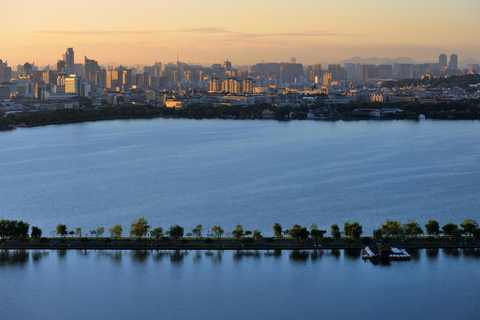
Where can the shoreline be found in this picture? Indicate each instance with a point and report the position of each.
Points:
(229, 248)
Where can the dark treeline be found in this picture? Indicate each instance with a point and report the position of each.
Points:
(467, 109)
(391, 229)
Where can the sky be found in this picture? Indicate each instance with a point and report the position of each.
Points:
(245, 32)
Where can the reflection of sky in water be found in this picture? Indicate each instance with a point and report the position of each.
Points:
(254, 173)
(230, 284)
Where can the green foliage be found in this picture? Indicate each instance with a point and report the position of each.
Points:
(197, 231)
(36, 232)
(468, 226)
(277, 230)
(208, 241)
(449, 228)
(13, 229)
(139, 228)
(377, 234)
(317, 234)
(392, 228)
(238, 232)
(217, 231)
(352, 230)
(157, 233)
(257, 235)
(71, 233)
(412, 228)
(100, 231)
(432, 228)
(116, 231)
(298, 232)
(62, 230)
(176, 232)
(78, 232)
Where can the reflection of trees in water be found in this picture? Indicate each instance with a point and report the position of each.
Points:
(432, 253)
(37, 255)
(159, 255)
(316, 254)
(454, 252)
(352, 254)
(114, 255)
(240, 254)
(62, 253)
(471, 252)
(197, 256)
(414, 253)
(335, 253)
(13, 257)
(140, 255)
(216, 256)
(299, 255)
(177, 256)
(275, 253)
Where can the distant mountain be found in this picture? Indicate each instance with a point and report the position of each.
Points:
(377, 61)
(464, 63)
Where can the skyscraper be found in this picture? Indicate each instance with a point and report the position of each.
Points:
(453, 62)
(70, 59)
(442, 60)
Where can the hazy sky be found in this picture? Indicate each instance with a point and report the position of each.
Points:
(245, 32)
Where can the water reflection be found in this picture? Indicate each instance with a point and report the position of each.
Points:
(454, 252)
(13, 257)
(37, 255)
(299, 255)
(432, 254)
(316, 255)
(140, 256)
(215, 256)
(414, 253)
(471, 252)
(335, 253)
(352, 254)
(275, 253)
(177, 256)
(240, 254)
(62, 253)
(159, 255)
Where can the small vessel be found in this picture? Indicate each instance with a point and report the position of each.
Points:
(385, 254)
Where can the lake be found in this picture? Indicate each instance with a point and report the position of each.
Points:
(227, 172)
(44, 284)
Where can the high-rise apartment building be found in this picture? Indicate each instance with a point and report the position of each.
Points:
(338, 72)
(453, 62)
(70, 59)
(442, 60)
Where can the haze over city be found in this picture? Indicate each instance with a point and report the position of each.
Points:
(140, 32)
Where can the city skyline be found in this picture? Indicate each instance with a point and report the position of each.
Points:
(138, 33)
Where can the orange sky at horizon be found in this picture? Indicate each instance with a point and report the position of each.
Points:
(145, 31)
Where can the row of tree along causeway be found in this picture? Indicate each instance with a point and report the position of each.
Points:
(467, 109)
(15, 234)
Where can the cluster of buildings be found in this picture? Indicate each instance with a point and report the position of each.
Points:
(71, 85)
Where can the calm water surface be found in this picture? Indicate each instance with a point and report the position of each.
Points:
(436, 284)
(255, 173)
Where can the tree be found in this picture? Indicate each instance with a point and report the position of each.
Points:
(335, 231)
(412, 228)
(432, 228)
(100, 231)
(78, 232)
(197, 231)
(93, 233)
(176, 232)
(248, 233)
(298, 232)
(257, 235)
(62, 230)
(377, 234)
(217, 231)
(116, 231)
(392, 228)
(157, 233)
(21, 230)
(139, 228)
(36, 232)
(71, 233)
(238, 232)
(449, 228)
(468, 226)
(317, 234)
(277, 230)
(352, 230)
